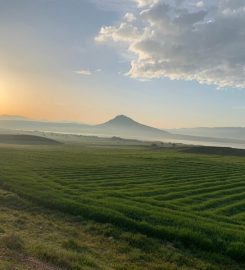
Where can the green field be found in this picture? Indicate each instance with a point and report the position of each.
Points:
(161, 208)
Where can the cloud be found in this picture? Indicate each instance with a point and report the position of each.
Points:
(184, 40)
(129, 17)
(143, 3)
(84, 72)
(200, 4)
(125, 32)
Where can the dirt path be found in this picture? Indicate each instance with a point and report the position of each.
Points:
(16, 261)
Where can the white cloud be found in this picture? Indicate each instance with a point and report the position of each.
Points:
(84, 72)
(143, 3)
(125, 32)
(129, 17)
(200, 4)
(187, 40)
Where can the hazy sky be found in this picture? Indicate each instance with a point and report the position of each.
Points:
(171, 63)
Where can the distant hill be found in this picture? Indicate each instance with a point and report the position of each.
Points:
(34, 125)
(13, 117)
(26, 140)
(216, 132)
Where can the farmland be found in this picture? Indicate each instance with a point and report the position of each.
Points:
(185, 209)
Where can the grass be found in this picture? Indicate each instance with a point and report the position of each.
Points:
(26, 140)
(148, 209)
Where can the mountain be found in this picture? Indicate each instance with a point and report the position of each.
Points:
(122, 125)
(120, 120)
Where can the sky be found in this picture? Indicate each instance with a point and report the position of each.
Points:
(165, 63)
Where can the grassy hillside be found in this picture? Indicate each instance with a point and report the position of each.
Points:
(143, 208)
(212, 150)
(26, 140)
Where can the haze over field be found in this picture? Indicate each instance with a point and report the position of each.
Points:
(125, 127)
